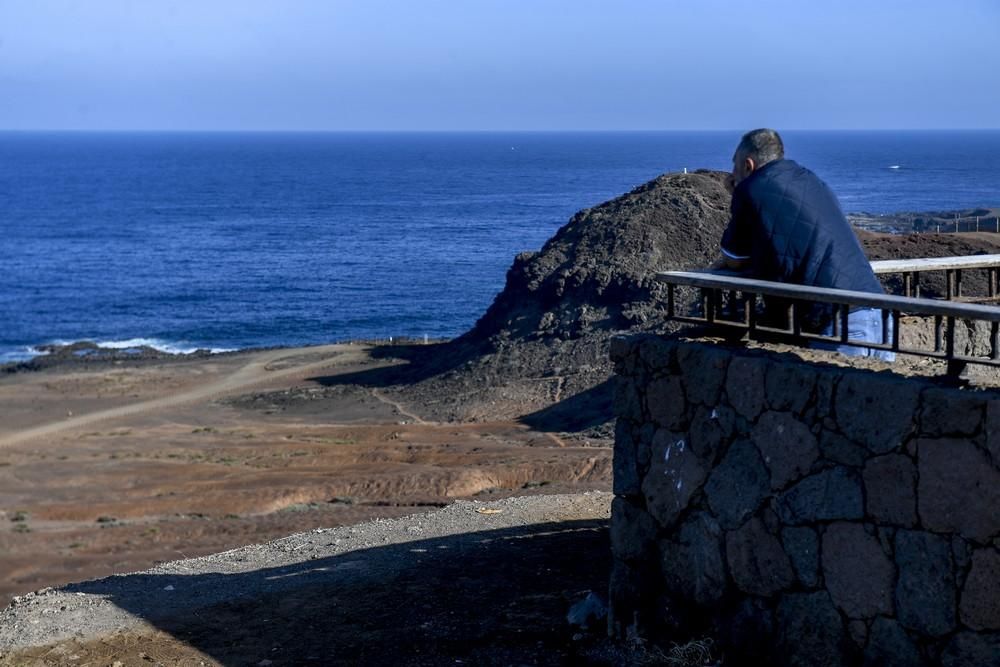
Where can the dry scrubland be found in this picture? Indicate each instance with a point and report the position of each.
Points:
(88, 489)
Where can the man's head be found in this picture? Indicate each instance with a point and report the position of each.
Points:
(756, 148)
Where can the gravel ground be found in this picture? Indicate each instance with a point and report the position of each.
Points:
(402, 587)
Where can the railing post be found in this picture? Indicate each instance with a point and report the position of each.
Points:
(949, 282)
(955, 367)
(895, 331)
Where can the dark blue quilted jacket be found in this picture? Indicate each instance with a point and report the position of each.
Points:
(788, 224)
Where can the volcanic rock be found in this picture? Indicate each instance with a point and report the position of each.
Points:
(544, 340)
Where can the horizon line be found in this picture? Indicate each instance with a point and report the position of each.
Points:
(469, 131)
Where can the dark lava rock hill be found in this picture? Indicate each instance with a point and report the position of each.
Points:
(595, 274)
(540, 352)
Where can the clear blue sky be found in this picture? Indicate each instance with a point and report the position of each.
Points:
(498, 64)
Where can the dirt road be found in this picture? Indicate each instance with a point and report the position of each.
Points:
(255, 371)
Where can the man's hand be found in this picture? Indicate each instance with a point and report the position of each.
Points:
(726, 263)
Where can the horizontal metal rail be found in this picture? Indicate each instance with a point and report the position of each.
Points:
(739, 310)
(952, 266)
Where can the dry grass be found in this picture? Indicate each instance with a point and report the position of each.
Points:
(695, 653)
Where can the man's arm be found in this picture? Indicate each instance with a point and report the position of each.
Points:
(736, 243)
(731, 263)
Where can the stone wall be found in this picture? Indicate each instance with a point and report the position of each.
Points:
(803, 513)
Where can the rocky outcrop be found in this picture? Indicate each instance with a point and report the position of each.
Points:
(545, 337)
(596, 273)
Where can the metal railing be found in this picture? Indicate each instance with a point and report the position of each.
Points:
(926, 224)
(968, 223)
(729, 300)
(910, 269)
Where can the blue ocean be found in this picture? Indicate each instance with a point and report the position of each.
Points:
(229, 240)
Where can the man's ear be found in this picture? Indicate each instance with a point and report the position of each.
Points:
(750, 165)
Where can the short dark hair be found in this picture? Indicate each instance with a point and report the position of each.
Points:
(762, 146)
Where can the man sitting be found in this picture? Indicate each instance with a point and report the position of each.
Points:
(787, 226)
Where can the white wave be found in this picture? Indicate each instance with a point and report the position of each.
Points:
(893, 166)
(27, 353)
(21, 354)
(157, 344)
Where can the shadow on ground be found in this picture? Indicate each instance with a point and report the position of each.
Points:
(588, 409)
(584, 410)
(486, 598)
(423, 363)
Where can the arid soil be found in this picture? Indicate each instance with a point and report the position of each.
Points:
(886, 246)
(475, 583)
(110, 467)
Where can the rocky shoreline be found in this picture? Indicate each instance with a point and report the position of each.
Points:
(981, 219)
(88, 353)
